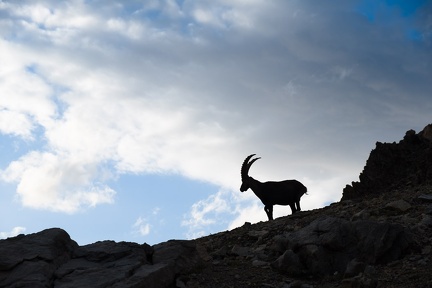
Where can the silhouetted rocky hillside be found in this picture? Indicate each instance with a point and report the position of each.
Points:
(378, 235)
(395, 165)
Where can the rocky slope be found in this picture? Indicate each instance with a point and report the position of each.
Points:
(378, 235)
(395, 165)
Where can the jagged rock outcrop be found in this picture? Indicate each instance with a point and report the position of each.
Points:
(51, 259)
(394, 165)
(31, 260)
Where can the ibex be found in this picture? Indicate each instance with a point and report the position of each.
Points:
(287, 192)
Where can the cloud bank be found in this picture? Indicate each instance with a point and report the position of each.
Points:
(184, 87)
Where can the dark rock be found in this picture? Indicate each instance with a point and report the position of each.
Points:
(240, 251)
(391, 165)
(102, 264)
(427, 132)
(425, 197)
(220, 253)
(51, 259)
(426, 220)
(259, 263)
(296, 284)
(289, 262)
(31, 261)
(398, 205)
(354, 268)
(426, 250)
(279, 244)
(362, 215)
(328, 244)
(359, 281)
(183, 255)
(257, 234)
(428, 210)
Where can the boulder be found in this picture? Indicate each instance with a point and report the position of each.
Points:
(398, 205)
(51, 259)
(425, 197)
(102, 264)
(31, 261)
(354, 268)
(329, 244)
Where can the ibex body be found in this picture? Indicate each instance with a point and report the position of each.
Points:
(287, 192)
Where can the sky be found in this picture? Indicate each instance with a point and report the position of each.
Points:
(129, 120)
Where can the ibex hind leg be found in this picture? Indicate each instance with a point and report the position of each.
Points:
(298, 205)
(269, 210)
(293, 208)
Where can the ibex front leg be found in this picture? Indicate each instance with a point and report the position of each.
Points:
(269, 210)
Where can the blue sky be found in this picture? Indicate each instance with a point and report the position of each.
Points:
(129, 120)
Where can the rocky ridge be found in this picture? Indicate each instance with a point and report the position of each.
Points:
(378, 235)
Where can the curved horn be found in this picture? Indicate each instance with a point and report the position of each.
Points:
(246, 166)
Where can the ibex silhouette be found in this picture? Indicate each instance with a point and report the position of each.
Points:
(287, 192)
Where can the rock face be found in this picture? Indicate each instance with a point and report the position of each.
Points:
(51, 259)
(328, 244)
(393, 165)
(379, 235)
(30, 261)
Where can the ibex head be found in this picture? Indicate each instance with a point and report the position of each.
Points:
(245, 170)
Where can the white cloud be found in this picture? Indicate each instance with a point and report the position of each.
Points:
(252, 213)
(205, 213)
(14, 232)
(56, 182)
(155, 211)
(142, 227)
(24, 94)
(15, 123)
(74, 14)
